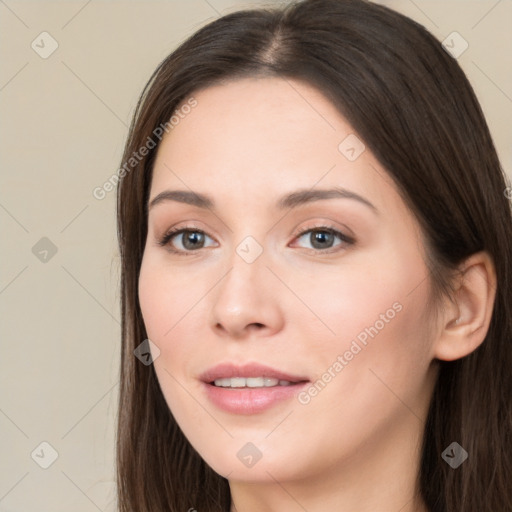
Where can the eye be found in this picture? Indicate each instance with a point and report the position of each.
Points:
(323, 238)
(186, 240)
(190, 239)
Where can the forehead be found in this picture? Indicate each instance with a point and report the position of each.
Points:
(257, 137)
(259, 116)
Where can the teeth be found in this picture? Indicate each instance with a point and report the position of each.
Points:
(250, 382)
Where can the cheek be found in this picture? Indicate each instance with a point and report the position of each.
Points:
(174, 309)
(369, 377)
(154, 302)
(170, 308)
(379, 357)
(339, 305)
(372, 315)
(167, 297)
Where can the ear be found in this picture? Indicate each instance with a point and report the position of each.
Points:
(466, 319)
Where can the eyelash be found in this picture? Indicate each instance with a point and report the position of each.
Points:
(164, 241)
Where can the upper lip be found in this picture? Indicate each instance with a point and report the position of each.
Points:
(228, 370)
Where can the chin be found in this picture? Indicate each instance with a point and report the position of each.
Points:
(262, 467)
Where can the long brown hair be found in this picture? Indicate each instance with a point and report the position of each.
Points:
(411, 103)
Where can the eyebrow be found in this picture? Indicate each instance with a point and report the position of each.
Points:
(291, 200)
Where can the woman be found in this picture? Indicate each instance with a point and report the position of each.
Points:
(316, 274)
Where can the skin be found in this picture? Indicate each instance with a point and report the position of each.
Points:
(354, 447)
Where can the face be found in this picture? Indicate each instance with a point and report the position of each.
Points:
(274, 278)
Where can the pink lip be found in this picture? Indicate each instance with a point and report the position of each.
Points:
(249, 400)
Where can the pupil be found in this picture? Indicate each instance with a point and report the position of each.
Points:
(321, 236)
(192, 236)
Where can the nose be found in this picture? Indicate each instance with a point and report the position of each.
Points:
(246, 302)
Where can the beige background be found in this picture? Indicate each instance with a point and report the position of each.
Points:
(63, 125)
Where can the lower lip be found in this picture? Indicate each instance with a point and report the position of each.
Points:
(250, 400)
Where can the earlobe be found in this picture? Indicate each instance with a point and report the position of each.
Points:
(466, 321)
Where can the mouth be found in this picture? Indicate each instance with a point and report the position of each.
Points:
(250, 388)
(250, 382)
(251, 375)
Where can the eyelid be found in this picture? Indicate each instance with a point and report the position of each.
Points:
(327, 226)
